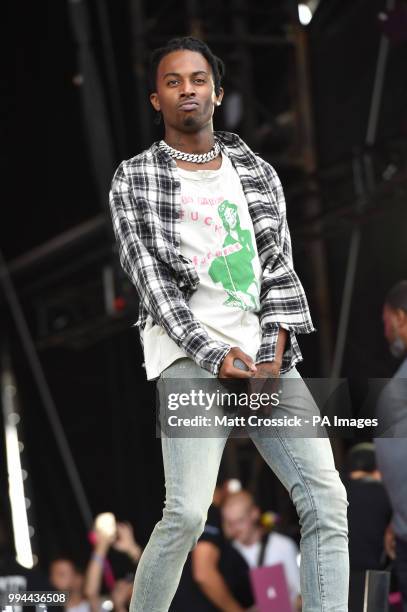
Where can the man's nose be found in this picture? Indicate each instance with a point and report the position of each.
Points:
(187, 89)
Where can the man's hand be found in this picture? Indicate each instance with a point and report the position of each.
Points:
(270, 372)
(228, 370)
(268, 369)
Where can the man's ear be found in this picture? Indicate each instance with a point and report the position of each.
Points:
(155, 102)
(219, 98)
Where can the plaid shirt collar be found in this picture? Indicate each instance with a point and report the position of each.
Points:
(261, 195)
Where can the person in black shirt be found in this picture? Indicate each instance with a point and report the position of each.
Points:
(215, 576)
(369, 514)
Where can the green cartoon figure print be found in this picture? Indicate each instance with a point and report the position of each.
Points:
(233, 267)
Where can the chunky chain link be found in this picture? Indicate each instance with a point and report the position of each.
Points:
(196, 158)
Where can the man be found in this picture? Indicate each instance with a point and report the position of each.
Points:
(241, 522)
(164, 208)
(391, 449)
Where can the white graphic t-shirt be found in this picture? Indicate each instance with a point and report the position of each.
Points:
(216, 233)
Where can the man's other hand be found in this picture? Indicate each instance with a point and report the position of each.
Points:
(268, 369)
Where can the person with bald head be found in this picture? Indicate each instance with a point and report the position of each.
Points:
(241, 523)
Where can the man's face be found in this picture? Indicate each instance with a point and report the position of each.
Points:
(239, 520)
(185, 91)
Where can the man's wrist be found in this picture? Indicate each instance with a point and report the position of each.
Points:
(270, 363)
(268, 369)
(280, 345)
(270, 349)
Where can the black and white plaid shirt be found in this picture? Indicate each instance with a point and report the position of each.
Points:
(145, 207)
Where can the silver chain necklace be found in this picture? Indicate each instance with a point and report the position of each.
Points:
(196, 158)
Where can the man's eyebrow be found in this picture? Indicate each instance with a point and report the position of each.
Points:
(167, 74)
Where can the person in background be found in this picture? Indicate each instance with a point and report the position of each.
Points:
(391, 449)
(64, 575)
(369, 514)
(215, 577)
(241, 523)
(123, 541)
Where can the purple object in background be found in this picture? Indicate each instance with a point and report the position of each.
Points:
(270, 589)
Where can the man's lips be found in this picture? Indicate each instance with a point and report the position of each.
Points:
(187, 106)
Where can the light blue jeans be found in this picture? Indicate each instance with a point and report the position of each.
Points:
(306, 468)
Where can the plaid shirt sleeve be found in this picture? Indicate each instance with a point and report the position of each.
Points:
(157, 289)
(282, 301)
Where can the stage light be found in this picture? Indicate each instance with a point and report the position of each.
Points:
(17, 498)
(304, 14)
(306, 11)
(19, 503)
